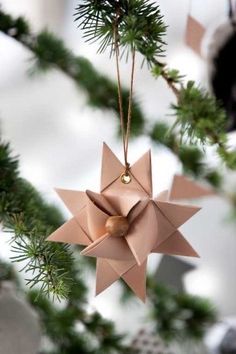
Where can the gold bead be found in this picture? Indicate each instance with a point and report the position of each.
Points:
(117, 226)
(125, 178)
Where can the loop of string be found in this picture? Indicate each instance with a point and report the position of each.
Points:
(125, 130)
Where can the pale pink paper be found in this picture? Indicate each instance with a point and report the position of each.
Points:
(194, 34)
(184, 188)
(153, 222)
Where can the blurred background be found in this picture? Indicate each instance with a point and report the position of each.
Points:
(59, 139)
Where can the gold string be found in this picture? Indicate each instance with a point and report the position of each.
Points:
(120, 100)
(125, 133)
(130, 105)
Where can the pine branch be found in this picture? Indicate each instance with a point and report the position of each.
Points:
(70, 328)
(199, 116)
(172, 77)
(177, 316)
(48, 266)
(180, 316)
(139, 25)
(95, 334)
(50, 52)
(190, 155)
(23, 212)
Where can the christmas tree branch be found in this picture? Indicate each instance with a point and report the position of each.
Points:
(138, 23)
(24, 213)
(50, 52)
(140, 27)
(199, 117)
(95, 334)
(70, 328)
(191, 157)
(169, 309)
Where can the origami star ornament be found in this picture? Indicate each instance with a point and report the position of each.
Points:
(123, 224)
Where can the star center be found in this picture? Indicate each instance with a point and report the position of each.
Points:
(117, 226)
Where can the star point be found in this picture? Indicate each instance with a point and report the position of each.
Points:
(184, 188)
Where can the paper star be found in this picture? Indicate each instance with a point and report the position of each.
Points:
(122, 225)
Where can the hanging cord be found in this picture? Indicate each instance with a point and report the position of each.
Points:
(130, 105)
(125, 131)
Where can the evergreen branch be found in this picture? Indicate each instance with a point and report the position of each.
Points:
(177, 316)
(23, 212)
(139, 25)
(60, 323)
(50, 52)
(199, 116)
(47, 264)
(96, 334)
(180, 315)
(191, 156)
(172, 77)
